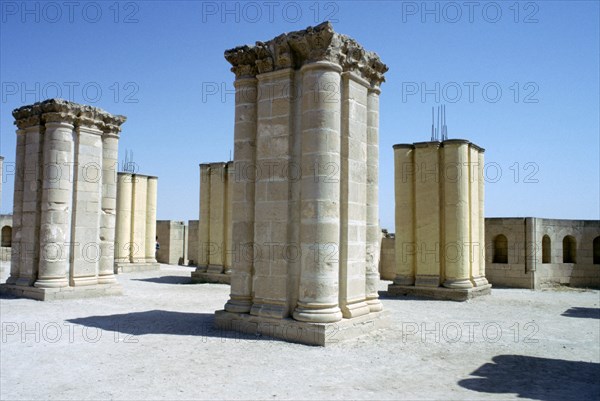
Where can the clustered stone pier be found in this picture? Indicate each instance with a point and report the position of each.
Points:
(135, 247)
(305, 222)
(439, 244)
(64, 201)
(215, 226)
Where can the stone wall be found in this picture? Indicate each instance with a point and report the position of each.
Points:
(173, 240)
(305, 233)
(135, 247)
(64, 201)
(439, 191)
(6, 238)
(387, 259)
(534, 262)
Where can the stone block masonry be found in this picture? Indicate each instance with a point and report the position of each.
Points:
(439, 244)
(305, 232)
(135, 247)
(64, 201)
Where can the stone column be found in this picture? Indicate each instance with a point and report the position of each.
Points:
(404, 189)
(353, 200)
(204, 230)
(530, 245)
(17, 208)
(151, 197)
(229, 176)
(216, 218)
(242, 203)
(476, 205)
(138, 237)
(32, 194)
(123, 246)
(427, 214)
(481, 201)
(456, 223)
(86, 252)
(110, 164)
(57, 204)
(372, 192)
(272, 189)
(320, 203)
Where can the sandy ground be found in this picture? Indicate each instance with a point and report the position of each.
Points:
(157, 342)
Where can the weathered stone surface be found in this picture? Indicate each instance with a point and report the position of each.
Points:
(63, 213)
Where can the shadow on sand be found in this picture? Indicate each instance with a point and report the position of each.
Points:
(166, 280)
(587, 313)
(537, 378)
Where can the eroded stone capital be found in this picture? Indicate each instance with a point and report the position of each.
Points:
(311, 45)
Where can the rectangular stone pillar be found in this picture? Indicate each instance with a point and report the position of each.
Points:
(216, 251)
(439, 204)
(305, 222)
(61, 195)
(136, 223)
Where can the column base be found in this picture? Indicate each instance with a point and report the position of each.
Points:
(50, 283)
(480, 281)
(461, 283)
(52, 294)
(107, 279)
(317, 314)
(206, 277)
(375, 304)
(264, 309)
(136, 267)
(301, 332)
(238, 305)
(201, 268)
(215, 269)
(451, 294)
(355, 309)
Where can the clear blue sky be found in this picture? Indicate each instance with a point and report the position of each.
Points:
(158, 63)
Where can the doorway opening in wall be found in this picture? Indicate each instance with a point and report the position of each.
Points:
(596, 246)
(6, 240)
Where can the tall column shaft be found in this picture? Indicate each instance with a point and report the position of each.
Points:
(481, 202)
(108, 218)
(372, 193)
(216, 252)
(320, 203)
(87, 204)
(229, 177)
(476, 205)
(353, 198)
(204, 224)
(123, 246)
(243, 196)
(138, 235)
(272, 188)
(151, 198)
(457, 216)
(427, 214)
(406, 251)
(17, 208)
(56, 206)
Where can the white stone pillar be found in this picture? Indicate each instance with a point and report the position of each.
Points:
(204, 228)
(216, 252)
(32, 194)
(229, 176)
(17, 208)
(151, 197)
(477, 248)
(456, 223)
(427, 214)
(372, 193)
(138, 237)
(123, 226)
(320, 204)
(56, 205)
(481, 202)
(404, 192)
(108, 247)
(353, 199)
(240, 300)
(87, 204)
